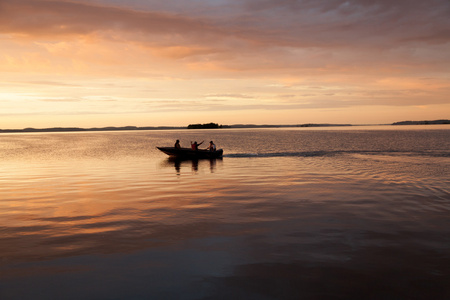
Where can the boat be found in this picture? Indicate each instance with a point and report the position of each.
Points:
(189, 153)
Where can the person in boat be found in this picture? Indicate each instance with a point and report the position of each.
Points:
(211, 146)
(177, 144)
(195, 145)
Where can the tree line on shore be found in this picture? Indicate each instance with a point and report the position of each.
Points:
(206, 126)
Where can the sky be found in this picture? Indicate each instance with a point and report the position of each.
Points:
(172, 63)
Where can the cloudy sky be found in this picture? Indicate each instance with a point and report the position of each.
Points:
(150, 62)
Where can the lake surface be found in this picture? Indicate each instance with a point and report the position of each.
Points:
(300, 213)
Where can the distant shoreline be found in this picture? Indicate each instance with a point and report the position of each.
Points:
(131, 128)
(77, 129)
(434, 122)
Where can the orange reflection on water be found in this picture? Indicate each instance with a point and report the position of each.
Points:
(75, 207)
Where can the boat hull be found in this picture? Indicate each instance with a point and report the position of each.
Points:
(189, 153)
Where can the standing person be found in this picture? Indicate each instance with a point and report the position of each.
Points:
(211, 146)
(177, 144)
(194, 145)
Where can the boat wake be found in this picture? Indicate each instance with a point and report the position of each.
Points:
(338, 152)
(283, 154)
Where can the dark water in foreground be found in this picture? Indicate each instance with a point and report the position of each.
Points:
(286, 214)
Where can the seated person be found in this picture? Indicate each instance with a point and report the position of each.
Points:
(177, 144)
(211, 146)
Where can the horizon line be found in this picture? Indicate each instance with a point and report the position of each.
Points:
(167, 127)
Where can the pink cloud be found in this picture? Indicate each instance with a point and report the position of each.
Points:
(60, 18)
(259, 23)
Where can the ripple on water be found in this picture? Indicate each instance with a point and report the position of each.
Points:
(360, 206)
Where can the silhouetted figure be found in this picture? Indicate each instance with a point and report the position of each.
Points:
(194, 145)
(177, 144)
(211, 146)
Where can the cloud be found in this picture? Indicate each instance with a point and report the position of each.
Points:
(60, 100)
(51, 83)
(227, 55)
(228, 96)
(259, 23)
(65, 18)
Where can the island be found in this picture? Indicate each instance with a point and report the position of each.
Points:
(206, 126)
(422, 122)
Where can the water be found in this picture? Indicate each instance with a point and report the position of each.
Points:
(355, 213)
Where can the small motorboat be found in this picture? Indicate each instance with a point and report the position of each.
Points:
(189, 153)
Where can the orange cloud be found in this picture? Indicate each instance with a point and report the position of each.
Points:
(153, 56)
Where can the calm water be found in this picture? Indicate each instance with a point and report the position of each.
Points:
(338, 213)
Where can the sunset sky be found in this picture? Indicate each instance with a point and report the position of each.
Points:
(150, 62)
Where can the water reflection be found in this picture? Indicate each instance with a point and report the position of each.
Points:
(195, 164)
(341, 215)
